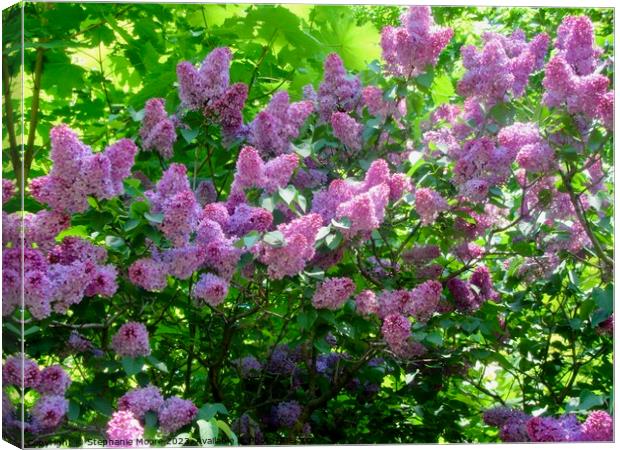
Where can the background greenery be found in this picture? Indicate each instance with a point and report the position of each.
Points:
(93, 66)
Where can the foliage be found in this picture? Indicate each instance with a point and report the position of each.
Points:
(540, 347)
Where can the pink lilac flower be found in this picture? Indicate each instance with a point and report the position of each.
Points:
(209, 231)
(12, 372)
(44, 226)
(468, 251)
(463, 295)
(396, 329)
(48, 412)
(124, 430)
(96, 176)
(333, 293)
(70, 282)
(249, 167)
(599, 426)
(279, 123)
(291, 258)
(53, 380)
(347, 130)
(121, 156)
(499, 415)
(575, 42)
(73, 249)
(158, 131)
(229, 112)
(515, 428)
(424, 300)
(8, 190)
(181, 214)
(366, 211)
(173, 181)
(38, 292)
(141, 400)
(429, 204)
(409, 49)
(338, 91)
(211, 289)
(132, 339)
(198, 88)
(538, 157)
(175, 413)
(393, 302)
(481, 278)
(222, 256)
(103, 282)
(400, 184)
(182, 262)
(217, 212)
(605, 109)
(249, 218)
(148, 274)
(551, 429)
(278, 171)
(287, 413)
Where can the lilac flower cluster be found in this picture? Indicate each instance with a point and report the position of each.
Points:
(248, 431)
(338, 91)
(8, 190)
(78, 172)
(286, 414)
(249, 366)
(467, 299)
(332, 293)
(124, 430)
(131, 339)
(173, 412)
(158, 130)
(408, 50)
(210, 289)
(429, 204)
(273, 128)
(50, 382)
(208, 89)
(347, 130)
(571, 77)
(363, 202)
(503, 65)
(58, 278)
(517, 426)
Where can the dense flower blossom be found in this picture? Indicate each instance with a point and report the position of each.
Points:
(515, 428)
(77, 172)
(463, 295)
(8, 190)
(366, 211)
(228, 111)
(148, 274)
(279, 123)
(158, 130)
(48, 412)
(481, 278)
(291, 258)
(141, 400)
(282, 360)
(182, 262)
(366, 303)
(12, 372)
(175, 413)
(599, 426)
(222, 256)
(396, 329)
(338, 91)
(173, 181)
(132, 339)
(124, 430)
(287, 413)
(409, 49)
(247, 431)
(53, 380)
(429, 204)
(499, 415)
(252, 171)
(575, 42)
(551, 429)
(424, 300)
(333, 292)
(211, 289)
(181, 213)
(347, 130)
(503, 65)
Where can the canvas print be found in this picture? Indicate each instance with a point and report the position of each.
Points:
(238, 224)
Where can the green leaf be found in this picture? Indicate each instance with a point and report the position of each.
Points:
(154, 218)
(344, 223)
(115, 242)
(287, 194)
(333, 240)
(226, 429)
(74, 410)
(157, 364)
(189, 135)
(274, 238)
(131, 365)
(209, 410)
